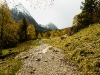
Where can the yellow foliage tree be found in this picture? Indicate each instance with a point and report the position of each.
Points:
(8, 28)
(10, 35)
(39, 36)
(31, 34)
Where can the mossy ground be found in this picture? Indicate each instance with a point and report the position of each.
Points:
(82, 48)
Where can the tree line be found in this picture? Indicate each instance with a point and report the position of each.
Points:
(12, 32)
(90, 14)
(53, 33)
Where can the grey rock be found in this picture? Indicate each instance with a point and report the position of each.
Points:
(25, 57)
(1, 62)
(38, 59)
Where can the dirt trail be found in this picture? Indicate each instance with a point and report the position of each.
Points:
(47, 60)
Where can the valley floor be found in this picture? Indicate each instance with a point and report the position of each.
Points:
(46, 60)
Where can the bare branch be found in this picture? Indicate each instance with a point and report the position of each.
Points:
(33, 3)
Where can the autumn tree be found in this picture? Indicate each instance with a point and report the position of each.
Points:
(89, 8)
(23, 24)
(10, 35)
(5, 17)
(1, 26)
(88, 16)
(31, 33)
(45, 34)
(39, 36)
(53, 33)
(9, 29)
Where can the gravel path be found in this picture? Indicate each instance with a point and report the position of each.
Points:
(47, 60)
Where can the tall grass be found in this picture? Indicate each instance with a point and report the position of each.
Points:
(82, 48)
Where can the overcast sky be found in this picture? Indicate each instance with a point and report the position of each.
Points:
(61, 13)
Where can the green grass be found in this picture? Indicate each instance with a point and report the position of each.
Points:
(82, 48)
(12, 65)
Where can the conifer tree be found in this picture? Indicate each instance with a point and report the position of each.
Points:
(88, 8)
(23, 24)
(98, 11)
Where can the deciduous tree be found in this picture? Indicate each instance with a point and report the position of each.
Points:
(31, 33)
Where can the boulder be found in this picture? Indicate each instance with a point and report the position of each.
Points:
(64, 36)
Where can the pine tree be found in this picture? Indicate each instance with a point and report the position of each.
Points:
(23, 24)
(98, 11)
(89, 8)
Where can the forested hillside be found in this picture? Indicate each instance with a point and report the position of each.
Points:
(88, 16)
(81, 42)
(14, 32)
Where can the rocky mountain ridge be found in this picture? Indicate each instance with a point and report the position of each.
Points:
(50, 26)
(20, 12)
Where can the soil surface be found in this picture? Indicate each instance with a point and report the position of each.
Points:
(46, 60)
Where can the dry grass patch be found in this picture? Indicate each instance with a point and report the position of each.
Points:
(82, 48)
(8, 64)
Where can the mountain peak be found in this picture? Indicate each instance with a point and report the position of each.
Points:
(21, 8)
(50, 26)
(21, 12)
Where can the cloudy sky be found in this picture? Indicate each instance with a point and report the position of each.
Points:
(61, 13)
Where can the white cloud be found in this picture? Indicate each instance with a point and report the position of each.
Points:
(61, 13)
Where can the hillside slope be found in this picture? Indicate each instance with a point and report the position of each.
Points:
(82, 48)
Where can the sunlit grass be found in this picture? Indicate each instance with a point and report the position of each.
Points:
(82, 48)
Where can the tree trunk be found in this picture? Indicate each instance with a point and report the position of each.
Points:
(1, 40)
(0, 48)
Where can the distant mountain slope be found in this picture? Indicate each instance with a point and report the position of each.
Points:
(50, 26)
(19, 12)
